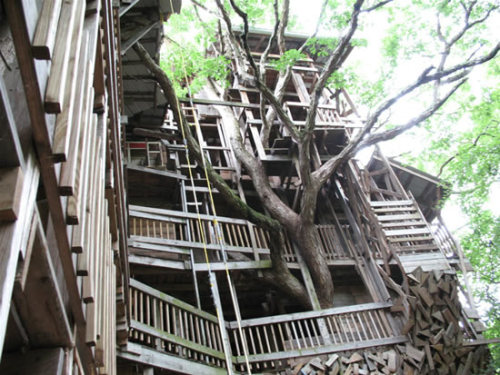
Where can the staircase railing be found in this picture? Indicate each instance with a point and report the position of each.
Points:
(173, 326)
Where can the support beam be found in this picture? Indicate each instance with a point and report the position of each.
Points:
(134, 39)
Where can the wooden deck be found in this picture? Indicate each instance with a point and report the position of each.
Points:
(175, 239)
(174, 328)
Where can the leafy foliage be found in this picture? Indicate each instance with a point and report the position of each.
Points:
(289, 58)
(464, 148)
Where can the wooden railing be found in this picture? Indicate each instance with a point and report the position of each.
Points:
(327, 116)
(169, 325)
(271, 340)
(173, 326)
(181, 230)
(185, 230)
(445, 240)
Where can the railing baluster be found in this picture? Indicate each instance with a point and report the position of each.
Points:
(250, 333)
(374, 324)
(368, 325)
(362, 325)
(306, 326)
(282, 338)
(316, 334)
(355, 325)
(332, 330)
(295, 334)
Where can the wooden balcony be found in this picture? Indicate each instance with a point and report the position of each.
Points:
(175, 239)
(271, 341)
(182, 331)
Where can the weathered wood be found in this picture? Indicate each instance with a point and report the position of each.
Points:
(54, 94)
(35, 361)
(64, 120)
(13, 237)
(321, 350)
(15, 12)
(46, 28)
(68, 169)
(313, 314)
(11, 184)
(152, 357)
(49, 326)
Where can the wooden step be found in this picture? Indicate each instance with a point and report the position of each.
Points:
(399, 217)
(406, 232)
(391, 203)
(418, 223)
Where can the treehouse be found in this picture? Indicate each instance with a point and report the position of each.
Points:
(119, 255)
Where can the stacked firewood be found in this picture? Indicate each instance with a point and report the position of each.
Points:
(357, 363)
(442, 337)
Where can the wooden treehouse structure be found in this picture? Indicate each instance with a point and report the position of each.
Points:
(113, 261)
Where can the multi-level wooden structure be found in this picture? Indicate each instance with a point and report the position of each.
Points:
(111, 261)
(379, 226)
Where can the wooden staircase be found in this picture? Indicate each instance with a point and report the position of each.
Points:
(409, 234)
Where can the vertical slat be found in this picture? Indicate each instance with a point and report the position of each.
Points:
(54, 94)
(46, 29)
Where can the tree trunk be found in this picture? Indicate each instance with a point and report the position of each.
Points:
(308, 242)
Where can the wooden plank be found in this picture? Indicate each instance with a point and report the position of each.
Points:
(49, 326)
(157, 172)
(234, 265)
(320, 350)
(37, 361)
(172, 300)
(176, 339)
(156, 262)
(312, 314)
(407, 232)
(197, 245)
(54, 94)
(398, 217)
(11, 154)
(15, 12)
(152, 357)
(397, 224)
(46, 28)
(11, 186)
(12, 239)
(391, 203)
(64, 120)
(181, 214)
(68, 169)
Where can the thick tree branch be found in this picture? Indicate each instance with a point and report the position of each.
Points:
(277, 208)
(285, 11)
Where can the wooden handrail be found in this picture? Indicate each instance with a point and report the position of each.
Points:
(133, 210)
(311, 314)
(172, 300)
